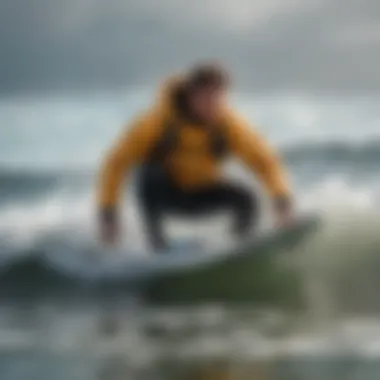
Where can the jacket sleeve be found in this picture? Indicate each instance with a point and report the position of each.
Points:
(131, 148)
(258, 155)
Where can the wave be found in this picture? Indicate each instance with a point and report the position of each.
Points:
(344, 152)
(34, 276)
(29, 185)
(339, 267)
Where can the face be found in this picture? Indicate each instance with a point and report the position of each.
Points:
(206, 102)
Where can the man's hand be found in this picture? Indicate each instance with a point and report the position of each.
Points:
(109, 227)
(284, 218)
(109, 233)
(284, 214)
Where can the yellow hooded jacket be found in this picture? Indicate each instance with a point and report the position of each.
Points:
(191, 164)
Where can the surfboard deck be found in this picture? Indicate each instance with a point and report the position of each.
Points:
(245, 273)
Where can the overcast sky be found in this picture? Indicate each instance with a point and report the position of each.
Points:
(271, 45)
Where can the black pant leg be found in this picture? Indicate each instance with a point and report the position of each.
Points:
(155, 193)
(245, 207)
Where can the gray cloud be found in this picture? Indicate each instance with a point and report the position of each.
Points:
(69, 45)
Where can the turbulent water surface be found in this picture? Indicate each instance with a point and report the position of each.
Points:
(58, 322)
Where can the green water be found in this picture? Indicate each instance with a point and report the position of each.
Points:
(132, 341)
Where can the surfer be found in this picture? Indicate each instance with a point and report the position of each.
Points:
(179, 145)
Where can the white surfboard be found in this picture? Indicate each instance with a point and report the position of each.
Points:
(185, 272)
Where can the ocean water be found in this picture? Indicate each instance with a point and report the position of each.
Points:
(57, 322)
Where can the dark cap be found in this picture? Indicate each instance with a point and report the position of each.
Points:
(208, 75)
